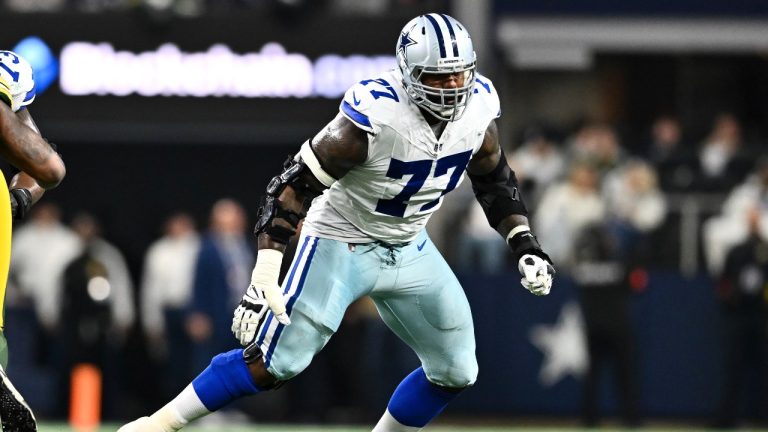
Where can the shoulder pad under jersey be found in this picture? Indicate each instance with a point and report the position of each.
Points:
(372, 103)
(485, 93)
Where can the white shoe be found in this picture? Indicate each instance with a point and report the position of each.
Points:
(143, 424)
(15, 414)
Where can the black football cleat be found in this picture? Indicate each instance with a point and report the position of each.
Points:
(15, 414)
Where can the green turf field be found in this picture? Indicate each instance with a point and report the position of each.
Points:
(53, 427)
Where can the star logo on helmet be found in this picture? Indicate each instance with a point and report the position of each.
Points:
(405, 41)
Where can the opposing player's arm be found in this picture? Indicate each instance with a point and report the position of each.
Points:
(40, 168)
(323, 160)
(496, 189)
(24, 189)
(25, 149)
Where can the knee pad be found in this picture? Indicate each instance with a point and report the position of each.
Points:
(453, 374)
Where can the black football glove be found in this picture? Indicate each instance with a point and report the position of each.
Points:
(21, 201)
(534, 265)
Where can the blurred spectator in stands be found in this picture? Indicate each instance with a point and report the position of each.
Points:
(723, 232)
(97, 311)
(666, 138)
(674, 161)
(380, 7)
(566, 208)
(598, 144)
(537, 163)
(166, 292)
(635, 205)
(162, 11)
(360, 7)
(42, 249)
(120, 295)
(222, 273)
(478, 246)
(601, 277)
(743, 292)
(35, 5)
(721, 167)
(95, 6)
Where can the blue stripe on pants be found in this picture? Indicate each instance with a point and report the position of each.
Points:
(292, 301)
(296, 264)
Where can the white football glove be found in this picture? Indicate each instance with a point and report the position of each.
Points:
(248, 315)
(262, 295)
(537, 274)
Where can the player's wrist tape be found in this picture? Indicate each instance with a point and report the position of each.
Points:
(267, 268)
(522, 241)
(264, 277)
(517, 230)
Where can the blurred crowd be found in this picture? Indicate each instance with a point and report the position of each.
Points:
(607, 213)
(634, 192)
(78, 288)
(72, 300)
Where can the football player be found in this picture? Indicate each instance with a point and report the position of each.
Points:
(365, 187)
(22, 146)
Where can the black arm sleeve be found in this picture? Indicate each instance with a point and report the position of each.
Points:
(498, 194)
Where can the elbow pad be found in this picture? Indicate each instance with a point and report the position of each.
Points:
(295, 171)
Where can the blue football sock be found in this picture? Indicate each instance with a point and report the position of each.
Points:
(224, 380)
(416, 401)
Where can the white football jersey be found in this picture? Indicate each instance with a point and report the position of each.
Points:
(17, 74)
(390, 197)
